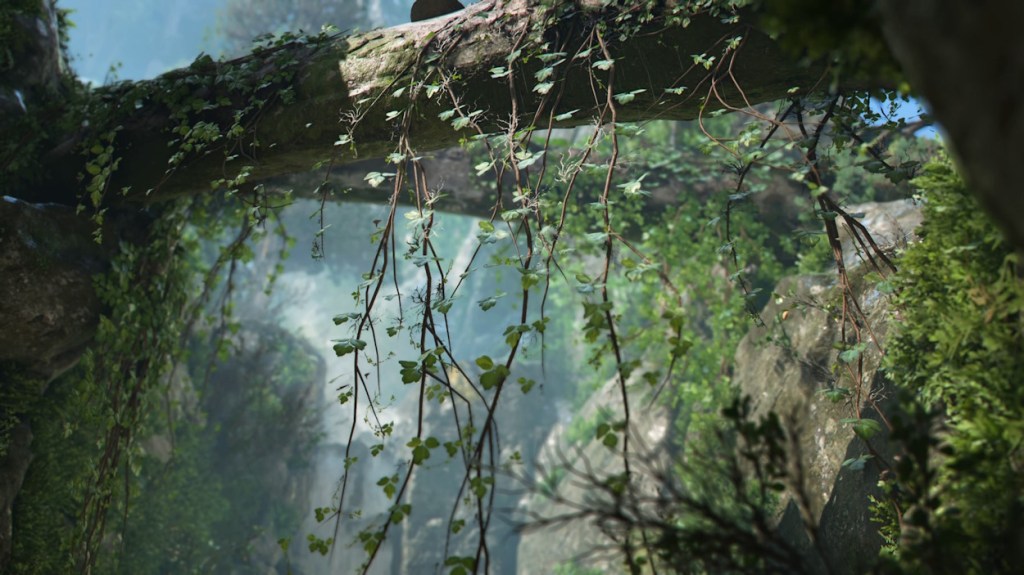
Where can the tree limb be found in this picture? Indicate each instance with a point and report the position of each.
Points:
(356, 77)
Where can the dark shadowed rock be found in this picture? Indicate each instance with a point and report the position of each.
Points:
(48, 308)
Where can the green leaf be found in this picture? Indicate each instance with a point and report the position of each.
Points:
(610, 440)
(633, 189)
(420, 453)
(485, 362)
(482, 168)
(377, 178)
(544, 73)
(451, 447)
(851, 355)
(527, 159)
(543, 87)
(627, 97)
(857, 463)
(343, 317)
(514, 332)
(864, 428)
(836, 394)
(346, 346)
(489, 302)
(566, 115)
(494, 377)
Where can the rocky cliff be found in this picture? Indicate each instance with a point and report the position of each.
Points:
(794, 365)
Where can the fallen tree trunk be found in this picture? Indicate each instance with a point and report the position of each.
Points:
(354, 86)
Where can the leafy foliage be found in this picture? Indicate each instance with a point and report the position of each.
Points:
(960, 353)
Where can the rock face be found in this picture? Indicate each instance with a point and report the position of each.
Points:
(37, 57)
(48, 308)
(785, 367)
(580, 542)
(790, 364)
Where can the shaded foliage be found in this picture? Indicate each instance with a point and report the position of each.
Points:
(958, 492)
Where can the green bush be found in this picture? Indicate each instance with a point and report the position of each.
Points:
(960, 352)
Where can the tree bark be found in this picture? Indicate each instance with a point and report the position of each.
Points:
(967, 60)
(335, 81)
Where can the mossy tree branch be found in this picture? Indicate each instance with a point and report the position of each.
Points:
(348, 85)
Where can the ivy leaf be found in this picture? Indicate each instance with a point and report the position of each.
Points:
(857, 463)
(864, 428)
(566, 116)
(544, 73)
(346, 346)
(633, 189)
(836, 394)
(494, 377)
(377, 178)
(514, 332)
(851, 355)
(343, 317)
(489, 302)
(485, 362)
(482, 167)
(527, 159)
(420, 453)
(627, 97)
(410, 371)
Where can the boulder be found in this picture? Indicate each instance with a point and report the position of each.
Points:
(793, 367)
(559, 491)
